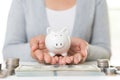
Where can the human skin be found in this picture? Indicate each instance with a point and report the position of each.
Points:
(60, 4)
(76, 54)
(78, 50)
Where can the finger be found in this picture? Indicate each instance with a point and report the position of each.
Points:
(77, 58)
(42, 44)
(34, 44)
(57, 59)
(84, 47)
(60, 60)
(33, 54)
(84, 59)
(83, 52)
(68, 60)
(63, 61)
(53, 60)
(39, 56)
(34, 47)
(71, 57)
(47, 58)
(73, 42)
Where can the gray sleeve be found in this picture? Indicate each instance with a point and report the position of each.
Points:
(16, 43)
(99, 47)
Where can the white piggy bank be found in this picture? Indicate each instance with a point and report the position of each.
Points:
(57, 42)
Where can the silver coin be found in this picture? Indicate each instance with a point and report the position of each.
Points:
(110, 71)
(10, 72)
(103, 63)
(12, 60)
(118, 68)
(12, 63)
(3, 73)
(103, 60)
(118, 72)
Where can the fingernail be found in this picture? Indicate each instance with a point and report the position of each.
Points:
(68, 60)
(33, 47)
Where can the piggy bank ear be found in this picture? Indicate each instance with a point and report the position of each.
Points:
(49, 30)
(65, 30)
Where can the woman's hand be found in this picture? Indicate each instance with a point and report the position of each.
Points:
(39, 51)
(77, 52)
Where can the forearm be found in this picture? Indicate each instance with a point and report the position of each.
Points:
(99, 47)
(96, 52)
(21, 51)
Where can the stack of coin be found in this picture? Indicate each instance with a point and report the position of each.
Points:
(103, 63)
(0, 66)
(3, 73)
(110, 71)
(11, 64)
(118, 68)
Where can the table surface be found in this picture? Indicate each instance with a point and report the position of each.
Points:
(65, 78)
(78, 77)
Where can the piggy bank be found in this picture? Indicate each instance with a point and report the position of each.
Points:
(57, 42)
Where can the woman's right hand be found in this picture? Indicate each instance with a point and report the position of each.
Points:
(39, 51)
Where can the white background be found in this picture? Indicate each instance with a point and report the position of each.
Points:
(4, 10)
(114, 12)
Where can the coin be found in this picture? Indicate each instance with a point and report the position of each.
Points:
(11, 64)
(118, 68)
(102, 60)
(3, 73)
(110, 71)
(103, 63)
(10, 72)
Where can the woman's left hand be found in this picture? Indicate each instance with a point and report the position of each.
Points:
(77, 52)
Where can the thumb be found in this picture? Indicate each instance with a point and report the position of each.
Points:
(41, 44)
(84, 52)
(33, 45)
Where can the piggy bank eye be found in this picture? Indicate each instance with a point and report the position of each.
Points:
(56, 44)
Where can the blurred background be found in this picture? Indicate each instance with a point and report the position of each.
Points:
(114, 16)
